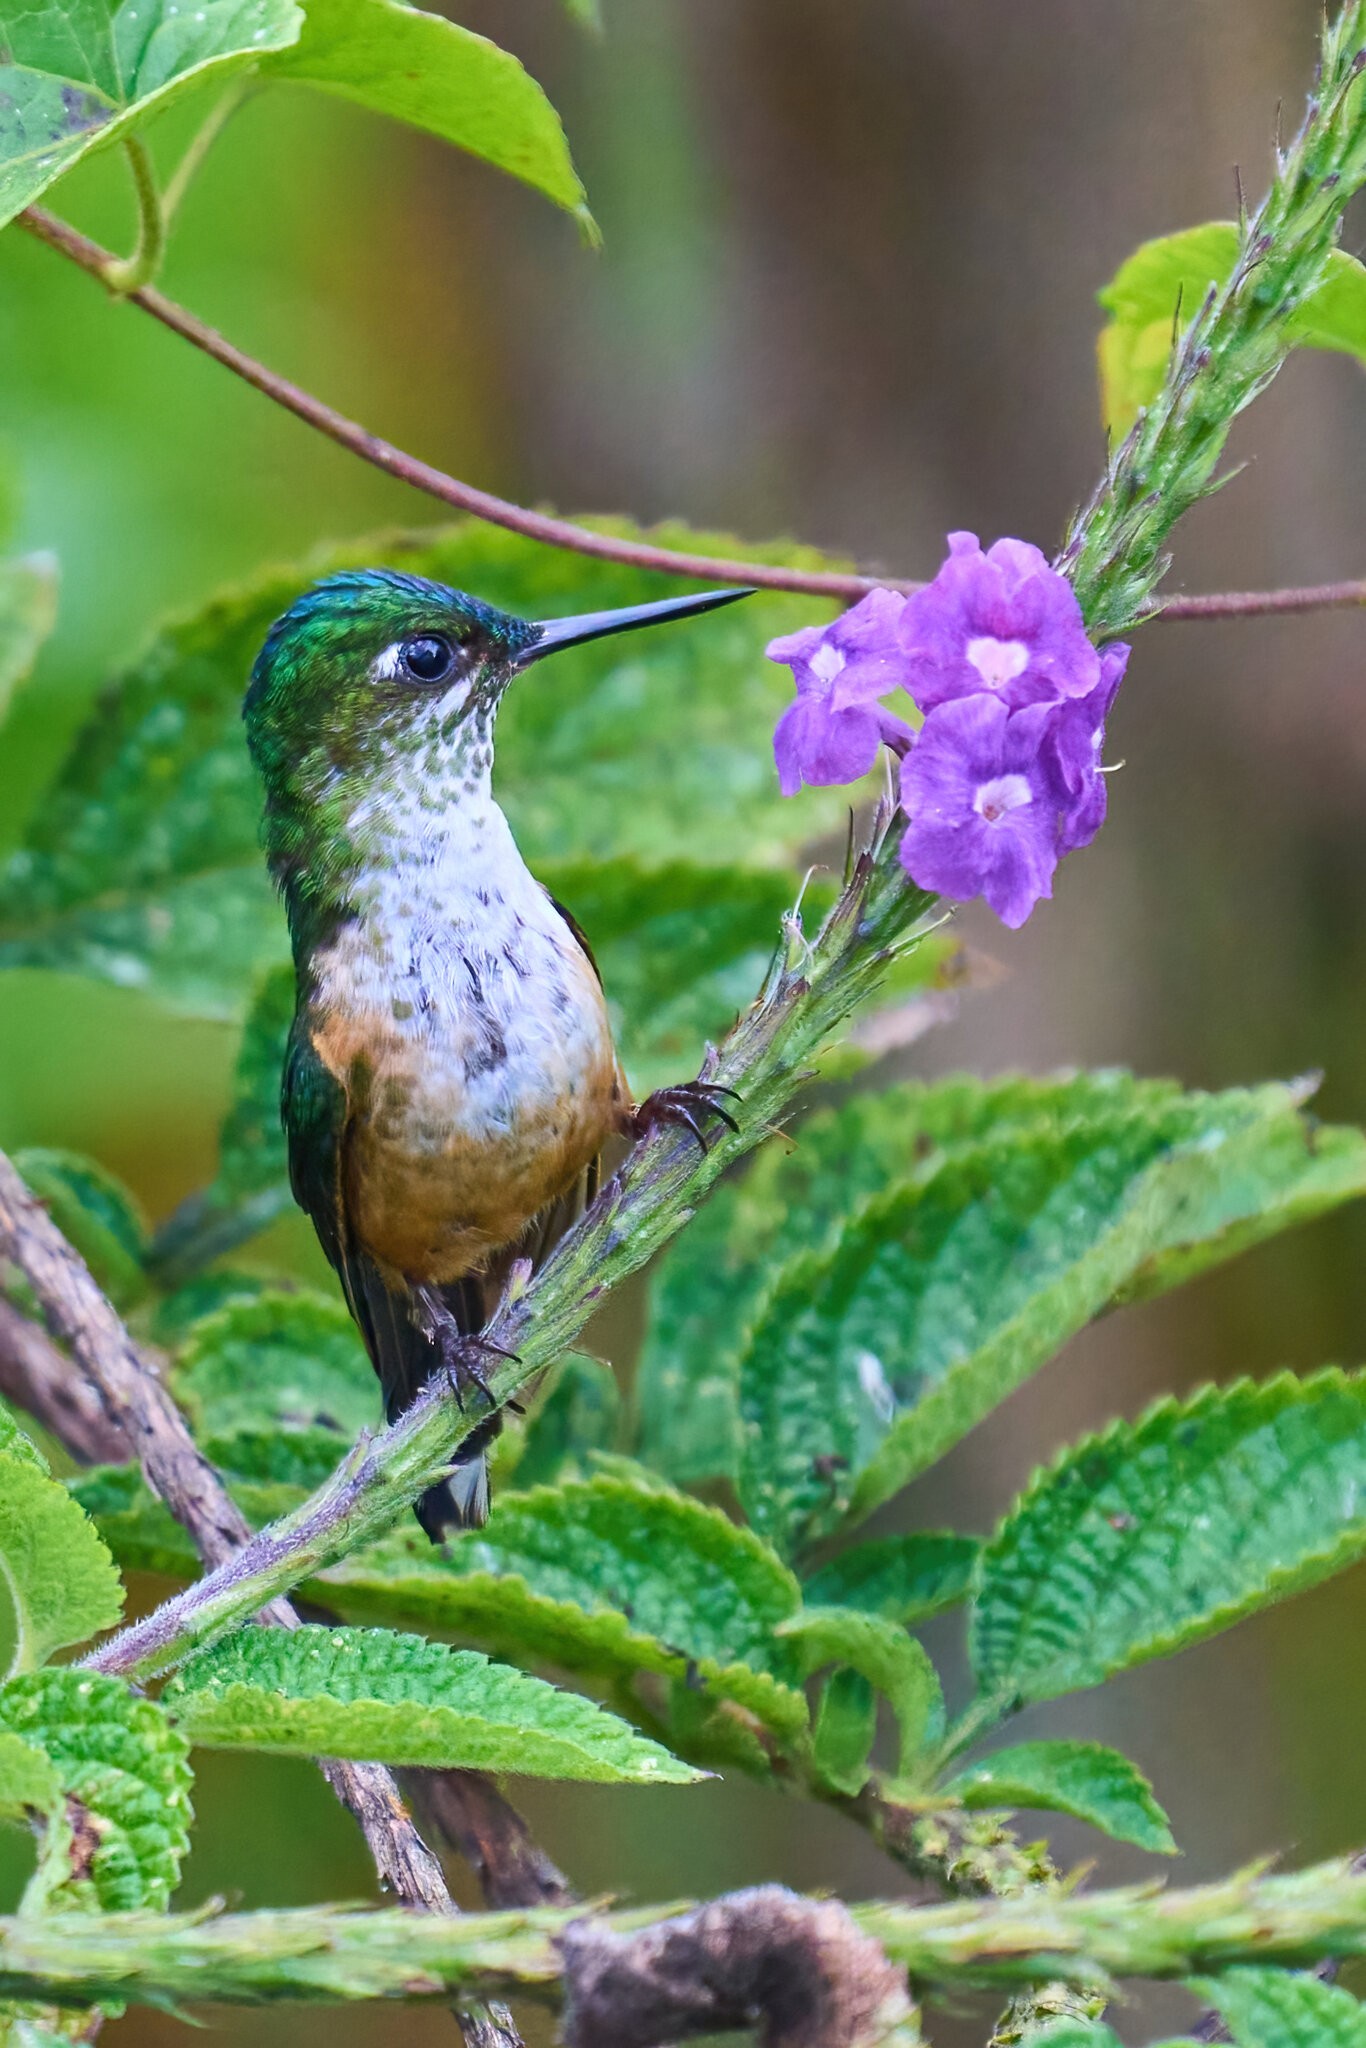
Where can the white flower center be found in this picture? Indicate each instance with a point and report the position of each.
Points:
(996, 661)
(827, 662)
(1006, 793)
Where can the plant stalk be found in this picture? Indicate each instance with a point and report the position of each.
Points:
(326, 1953)
(125, 275)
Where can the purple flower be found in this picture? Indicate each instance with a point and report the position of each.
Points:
(832, 732)
(1001, 621)
(1072, 753)
(983, 805)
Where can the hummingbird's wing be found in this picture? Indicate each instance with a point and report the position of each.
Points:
(593, 1176)
(315, 1113)
(580, 937)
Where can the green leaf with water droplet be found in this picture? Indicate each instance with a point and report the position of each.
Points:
(85, 73)
(708, 1288)
(870, 1356)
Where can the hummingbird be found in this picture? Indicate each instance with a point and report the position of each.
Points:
(450, 1076)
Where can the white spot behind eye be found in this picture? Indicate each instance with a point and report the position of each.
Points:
(451, 700)
(386, 666)
(875, 1386)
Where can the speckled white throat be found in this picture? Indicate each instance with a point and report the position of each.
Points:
(464, 1020)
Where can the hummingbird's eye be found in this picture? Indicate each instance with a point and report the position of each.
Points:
(428, 660)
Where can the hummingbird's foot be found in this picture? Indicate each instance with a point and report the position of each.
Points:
(687, 1106)
(460, 1353)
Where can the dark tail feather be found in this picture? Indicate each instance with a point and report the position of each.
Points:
(462, 1501)
(405, 1358)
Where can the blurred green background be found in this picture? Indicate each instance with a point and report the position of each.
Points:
(846, 293)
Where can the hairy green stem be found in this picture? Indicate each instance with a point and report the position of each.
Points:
(811, 989)
(129, 274)
(1225, 358)
(323, 1953)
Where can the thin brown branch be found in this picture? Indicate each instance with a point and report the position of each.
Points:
(1252, 604)
(141, 1413)
(564, 533)
(409, 469)
(39, 1378)
(466, 1809)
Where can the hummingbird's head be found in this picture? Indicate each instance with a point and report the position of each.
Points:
(374, 678)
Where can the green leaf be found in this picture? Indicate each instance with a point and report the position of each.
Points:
(1175, 272)
(28, 612)
(708, 1289)
(602, 1577)
(1267, 2008)
(892, 1661)
(96, 1213)
(59, 1573)
(1158, 1533)
(28, 1780)
(370, 1693)
(422, 69)
(904, 1578)
(142, 863)
(84, 74)
(1085, 1779)
(280, 1362)
(846, 1726)
(867, 1361)
(120, 1758)
(577, 1417)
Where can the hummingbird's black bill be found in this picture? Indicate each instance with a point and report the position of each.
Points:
(558, 633)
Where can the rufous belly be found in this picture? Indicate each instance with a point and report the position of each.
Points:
(456, 1140)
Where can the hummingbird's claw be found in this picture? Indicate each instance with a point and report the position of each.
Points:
(459, 1352)
(687, 1106)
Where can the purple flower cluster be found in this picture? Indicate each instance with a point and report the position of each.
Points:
(1004, 776)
